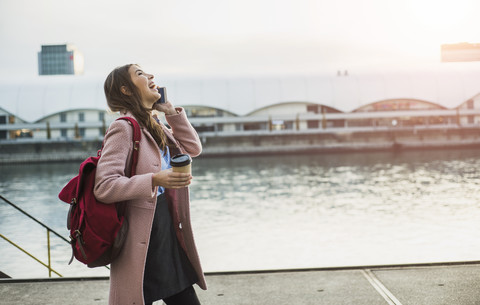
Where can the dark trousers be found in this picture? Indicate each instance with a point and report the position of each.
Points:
(186, 297)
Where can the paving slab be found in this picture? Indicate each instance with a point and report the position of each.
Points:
(55, 292)
(344, 287)
(442, 285)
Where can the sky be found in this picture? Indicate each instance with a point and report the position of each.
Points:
(236, 37)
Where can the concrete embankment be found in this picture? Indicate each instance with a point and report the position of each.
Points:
(340, 141)
(263, 142)
(46, 151)
(428, 284)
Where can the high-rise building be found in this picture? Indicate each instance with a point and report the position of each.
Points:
(460, 52)
(59, 59)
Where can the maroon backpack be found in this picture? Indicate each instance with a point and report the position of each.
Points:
(97, 230)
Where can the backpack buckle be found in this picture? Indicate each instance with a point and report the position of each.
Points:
(78, 235)
(136, 144)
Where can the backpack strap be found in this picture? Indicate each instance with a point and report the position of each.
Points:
(137, 136)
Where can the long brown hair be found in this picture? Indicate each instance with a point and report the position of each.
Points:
(118, 101)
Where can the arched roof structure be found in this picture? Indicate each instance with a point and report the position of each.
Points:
(210, 109)
(287, 104)
(449, 87)
(75, 110)
(32, 100)
(399, 104)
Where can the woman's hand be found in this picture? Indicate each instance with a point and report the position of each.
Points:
(166, 108)
(171, 180)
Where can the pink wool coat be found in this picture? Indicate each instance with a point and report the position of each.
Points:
(112, 184)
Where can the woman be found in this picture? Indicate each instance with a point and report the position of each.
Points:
(159, 259)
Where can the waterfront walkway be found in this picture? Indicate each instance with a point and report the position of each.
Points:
(434, 284)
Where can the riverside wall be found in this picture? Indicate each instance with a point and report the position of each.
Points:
(353, 141)
(262, 143)
(12, 152)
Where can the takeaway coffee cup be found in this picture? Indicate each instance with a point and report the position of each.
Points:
(181, 163)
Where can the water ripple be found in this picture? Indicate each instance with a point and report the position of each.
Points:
(289, 211)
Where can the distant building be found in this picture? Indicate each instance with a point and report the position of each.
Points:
(59, 60)
(7, 118)
(74, 107)
(460, 52)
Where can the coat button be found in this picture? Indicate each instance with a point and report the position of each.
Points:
(180, 225)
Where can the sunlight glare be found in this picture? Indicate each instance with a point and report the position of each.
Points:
(441, 14)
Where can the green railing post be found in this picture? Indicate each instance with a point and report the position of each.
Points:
(24, 251)
(49, 266)
(49, 259)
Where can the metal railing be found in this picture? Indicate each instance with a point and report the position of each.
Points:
(49, 265)
(302, 117)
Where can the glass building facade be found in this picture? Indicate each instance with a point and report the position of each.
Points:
(59, 59)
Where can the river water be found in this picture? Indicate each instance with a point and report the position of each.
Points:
(280, 212)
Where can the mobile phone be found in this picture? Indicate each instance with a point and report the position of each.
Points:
(163, 93)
